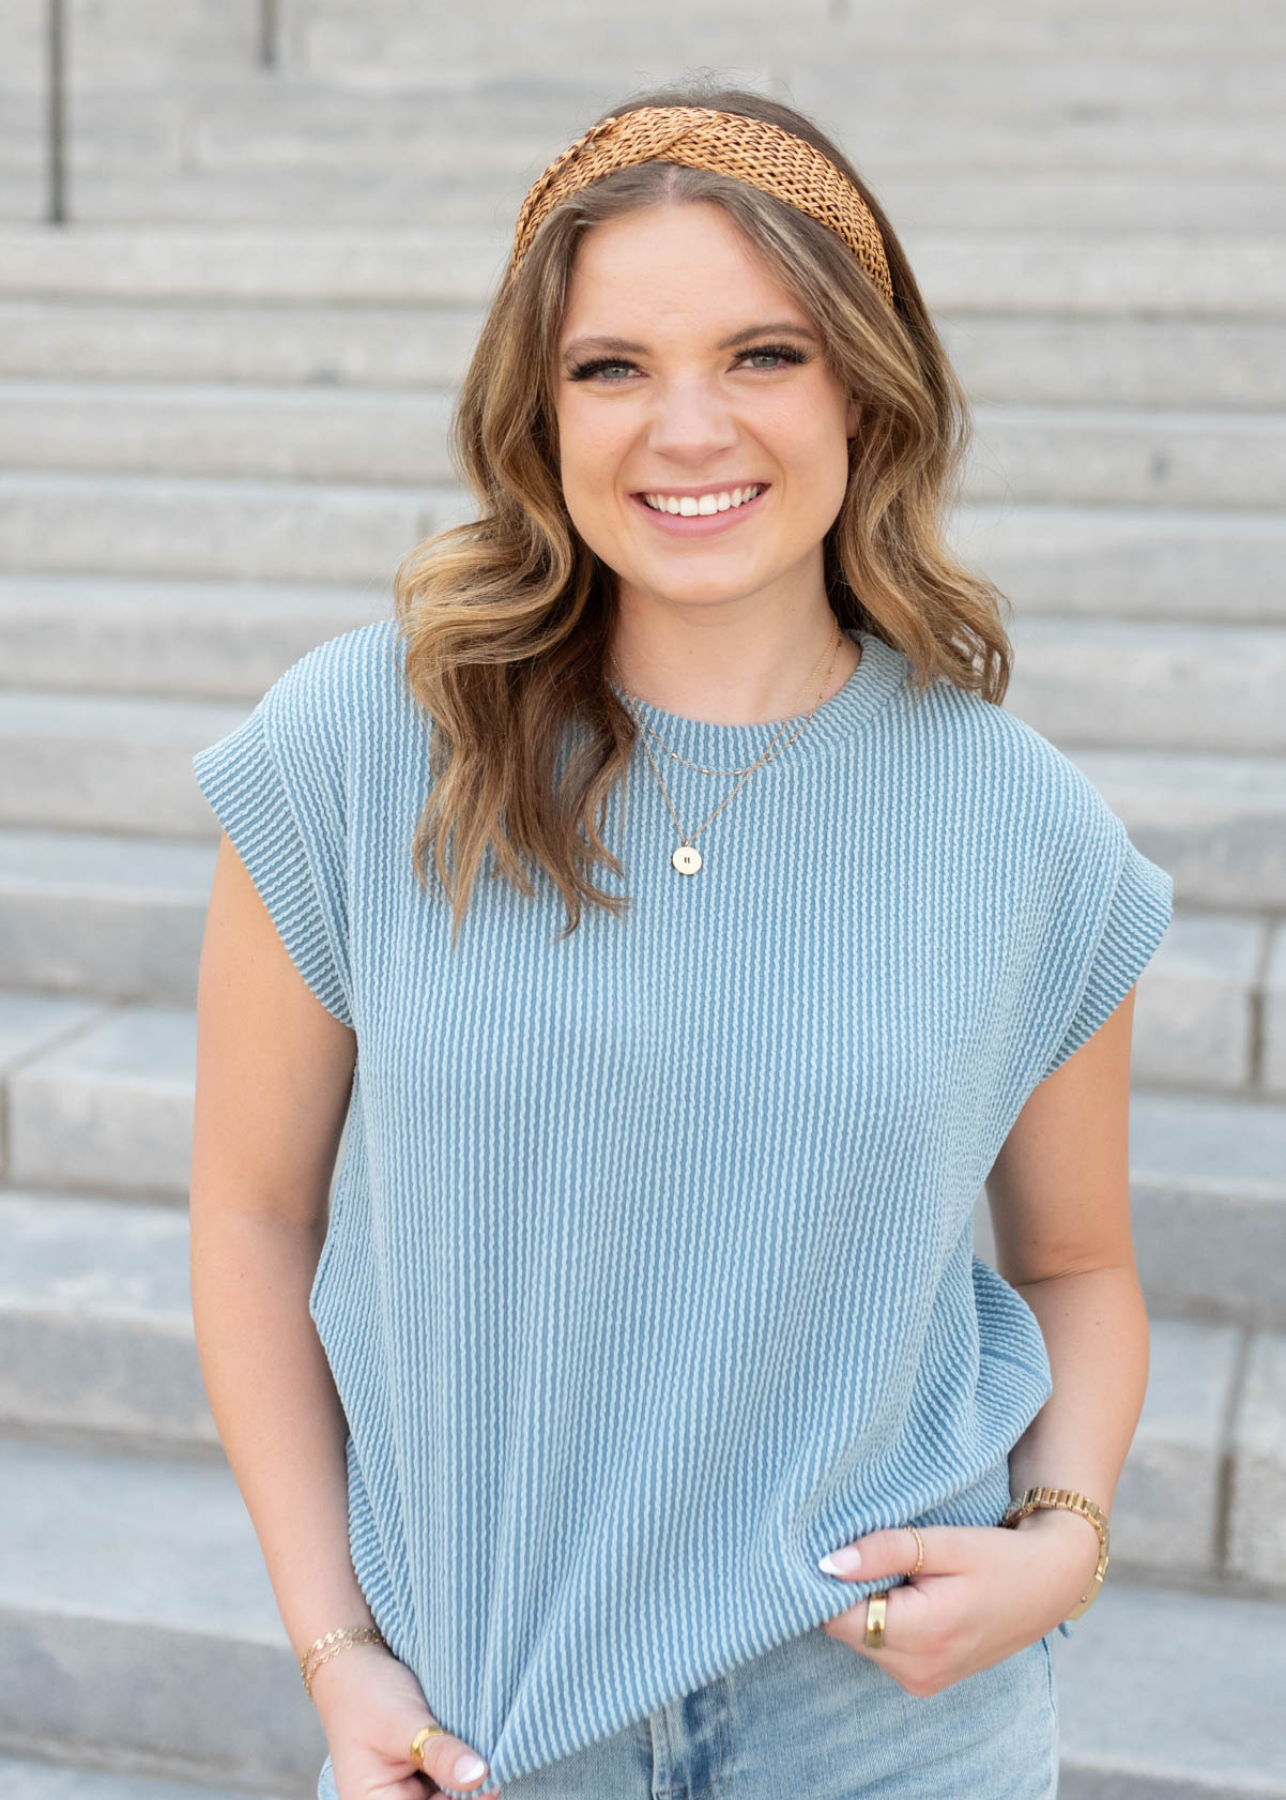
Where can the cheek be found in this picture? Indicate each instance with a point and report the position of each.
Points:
(591, 445)
(812, 439)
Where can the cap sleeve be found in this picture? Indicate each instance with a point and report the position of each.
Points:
(1136, 898)
(276, 785)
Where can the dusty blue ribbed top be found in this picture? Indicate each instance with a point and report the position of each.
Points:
(649, 1276)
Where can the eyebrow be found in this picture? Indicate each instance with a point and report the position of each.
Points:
(578, 346)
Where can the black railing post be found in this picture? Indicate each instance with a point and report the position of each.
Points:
(269, 33)
(56, 115)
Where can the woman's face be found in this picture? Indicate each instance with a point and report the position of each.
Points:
(714, 382)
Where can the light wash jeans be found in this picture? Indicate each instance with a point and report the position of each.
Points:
(812, 1716)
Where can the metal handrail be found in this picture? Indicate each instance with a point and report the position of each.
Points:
(269, 33)
(56, 111)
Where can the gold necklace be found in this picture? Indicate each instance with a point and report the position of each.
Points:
(687, 858)
(699, 767)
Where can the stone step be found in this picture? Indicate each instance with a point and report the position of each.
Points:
(262, 123)
(203, 62)
(1166, 363)
(1128, 203)
(1095, 456)
(1122, 683)
(1197, 1022)
(350, 436)
(1192, 1719)
(1274, 1018)
(1066, 273)
(159, 525)
(1034, 454)
(1217, 823)
(213, 640)
(96, 1323)
(319, 344)
(1127, 562)
(332, 39)
(26, 1778)
(132, 43)
(122, 1575)
(99, 914)
(106, 1106)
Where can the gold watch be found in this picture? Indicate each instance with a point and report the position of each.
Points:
(1034, 1498)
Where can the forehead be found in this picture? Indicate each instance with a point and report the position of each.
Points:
(684, 265)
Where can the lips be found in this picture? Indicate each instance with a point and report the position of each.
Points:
(688, 504)
(698, 525)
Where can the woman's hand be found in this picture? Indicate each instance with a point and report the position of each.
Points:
(371, 1707)
(982, 1593)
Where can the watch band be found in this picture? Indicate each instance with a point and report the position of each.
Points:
(1035, 1498)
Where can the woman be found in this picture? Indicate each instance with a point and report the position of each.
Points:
(648, 1281)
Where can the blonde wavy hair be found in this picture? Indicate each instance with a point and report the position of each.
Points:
(507, 619)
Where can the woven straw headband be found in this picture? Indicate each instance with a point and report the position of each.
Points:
(700, 137)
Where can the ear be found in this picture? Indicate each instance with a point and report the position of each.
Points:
(852, 417)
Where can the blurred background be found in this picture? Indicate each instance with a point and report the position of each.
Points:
(244, 251)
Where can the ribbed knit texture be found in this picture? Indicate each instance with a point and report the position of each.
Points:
(649, 1275)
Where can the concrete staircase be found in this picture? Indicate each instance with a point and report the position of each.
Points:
(223, 397)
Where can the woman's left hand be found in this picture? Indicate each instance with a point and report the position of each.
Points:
(982, 1593)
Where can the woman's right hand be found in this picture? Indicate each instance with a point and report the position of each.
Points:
(371, 1706)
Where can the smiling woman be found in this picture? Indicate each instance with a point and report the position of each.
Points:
(649, 1283)
(674, 324)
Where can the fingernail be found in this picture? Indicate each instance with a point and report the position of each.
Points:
(469, 1767)
(841, 1562)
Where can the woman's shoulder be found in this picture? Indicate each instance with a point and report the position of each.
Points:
(340, 689)
(366, 659)
(1026, 779)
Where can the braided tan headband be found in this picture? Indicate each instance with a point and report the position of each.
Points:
(700, 137)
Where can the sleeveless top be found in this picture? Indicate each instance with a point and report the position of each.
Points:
(649, 1274)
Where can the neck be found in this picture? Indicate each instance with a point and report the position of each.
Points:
(750, 684)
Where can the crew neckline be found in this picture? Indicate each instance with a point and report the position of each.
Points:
(880, 673)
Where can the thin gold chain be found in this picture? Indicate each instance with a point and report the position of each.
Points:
(701, 770)
(746, 774)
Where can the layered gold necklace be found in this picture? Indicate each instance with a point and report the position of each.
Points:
(687, 858)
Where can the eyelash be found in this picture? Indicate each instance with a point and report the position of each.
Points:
(787, 353)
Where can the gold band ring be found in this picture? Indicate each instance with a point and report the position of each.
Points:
(920, 1558)
(875, 1606)
(417, 1754)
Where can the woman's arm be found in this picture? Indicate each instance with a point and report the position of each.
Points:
(274, 1076)
(1059, 1199)
(274, 1072)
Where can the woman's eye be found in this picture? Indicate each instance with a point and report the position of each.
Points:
(587, 371)
(778, 353)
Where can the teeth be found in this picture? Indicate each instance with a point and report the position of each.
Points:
(687, 507)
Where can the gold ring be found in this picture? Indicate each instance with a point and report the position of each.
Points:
(875, 1621)
(418, 1739)
(920, 1558)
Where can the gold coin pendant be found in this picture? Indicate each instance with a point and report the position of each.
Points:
(687, 859)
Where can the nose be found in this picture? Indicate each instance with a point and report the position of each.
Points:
(691, 424)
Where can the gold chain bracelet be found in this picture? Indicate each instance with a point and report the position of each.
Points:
(339, 1640)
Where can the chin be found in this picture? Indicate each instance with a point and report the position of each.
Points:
(708, 590)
